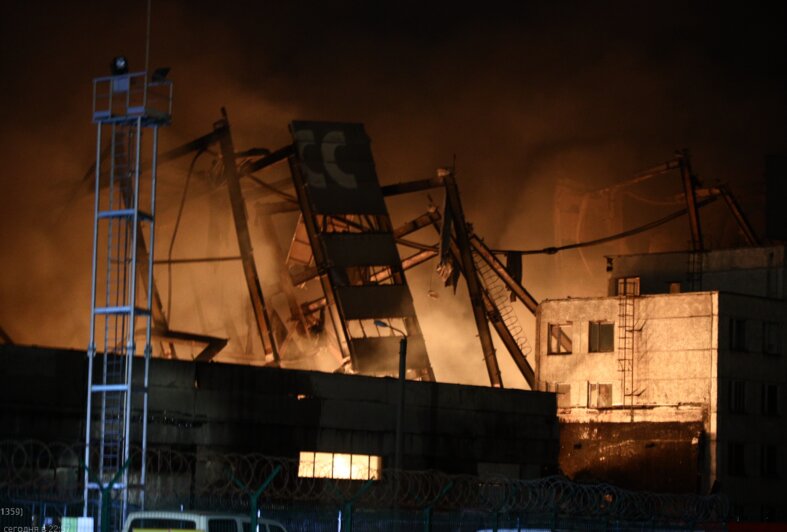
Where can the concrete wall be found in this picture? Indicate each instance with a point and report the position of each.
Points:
(674, 339)
(685, 361)
(281, 412)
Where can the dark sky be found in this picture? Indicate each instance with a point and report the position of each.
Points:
(524, 93)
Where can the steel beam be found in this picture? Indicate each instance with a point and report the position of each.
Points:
(413, 186)
(222, 130)
(269, 234)
(737, 213)
(499, 268)
(465, 257)
(211, 349)
(274, 157)
(4, 338)
(509, 341)
(689, 189)
(399, 232)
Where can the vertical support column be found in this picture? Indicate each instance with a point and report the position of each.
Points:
(473, 285)
(244, 238)
(151, 296)
(689, 189)
(91, 348)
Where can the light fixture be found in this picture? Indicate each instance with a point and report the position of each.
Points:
(119, 65)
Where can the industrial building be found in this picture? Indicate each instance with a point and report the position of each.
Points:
(669, 383)
(664, 384)
(204, 407)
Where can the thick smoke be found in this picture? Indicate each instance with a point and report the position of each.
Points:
(528, 99)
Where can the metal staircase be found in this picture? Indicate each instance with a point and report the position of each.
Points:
(120, 306)
(500, 298)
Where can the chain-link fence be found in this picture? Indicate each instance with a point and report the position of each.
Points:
(48, 478)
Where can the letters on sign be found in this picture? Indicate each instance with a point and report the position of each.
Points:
(331, 142)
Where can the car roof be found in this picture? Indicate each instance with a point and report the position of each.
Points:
(177, 514)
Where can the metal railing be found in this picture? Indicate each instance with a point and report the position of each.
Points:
(129, 96)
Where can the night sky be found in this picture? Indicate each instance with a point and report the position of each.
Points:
(524, 96)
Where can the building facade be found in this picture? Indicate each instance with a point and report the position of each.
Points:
(664, 388)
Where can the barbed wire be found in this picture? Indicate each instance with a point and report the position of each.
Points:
(213, 480)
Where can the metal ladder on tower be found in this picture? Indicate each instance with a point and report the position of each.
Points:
(120, 306)
(626, 323)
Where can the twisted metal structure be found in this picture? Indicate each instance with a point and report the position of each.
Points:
(37, 471)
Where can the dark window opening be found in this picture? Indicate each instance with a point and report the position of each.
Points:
(770, 461)
(163, 523)
(559, 339)
(770, 399)
(736, 462)
(602, 337)
(737, 334)
(737, 396)
(771, 337)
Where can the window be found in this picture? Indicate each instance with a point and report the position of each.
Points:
(737, 334)
(222, 525)
(563, 395)
(337, 465)
(163, 523)
(769, 464)
(770, 399)
(771, 341)
(599, 395)
(628, 286)
(737, 396)
(559, 339)
(674, 287)
(736, 462)
(601, 337)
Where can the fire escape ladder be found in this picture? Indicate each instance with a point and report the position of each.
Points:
(626, 327)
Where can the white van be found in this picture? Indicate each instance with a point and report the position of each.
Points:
(195, 521)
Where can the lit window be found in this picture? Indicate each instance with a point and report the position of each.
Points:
(601, 337)
(559, 339)
(339, 466)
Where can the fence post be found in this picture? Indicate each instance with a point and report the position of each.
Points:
(429, 507)
(255, 495)
(346, 506)
(106, 494)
